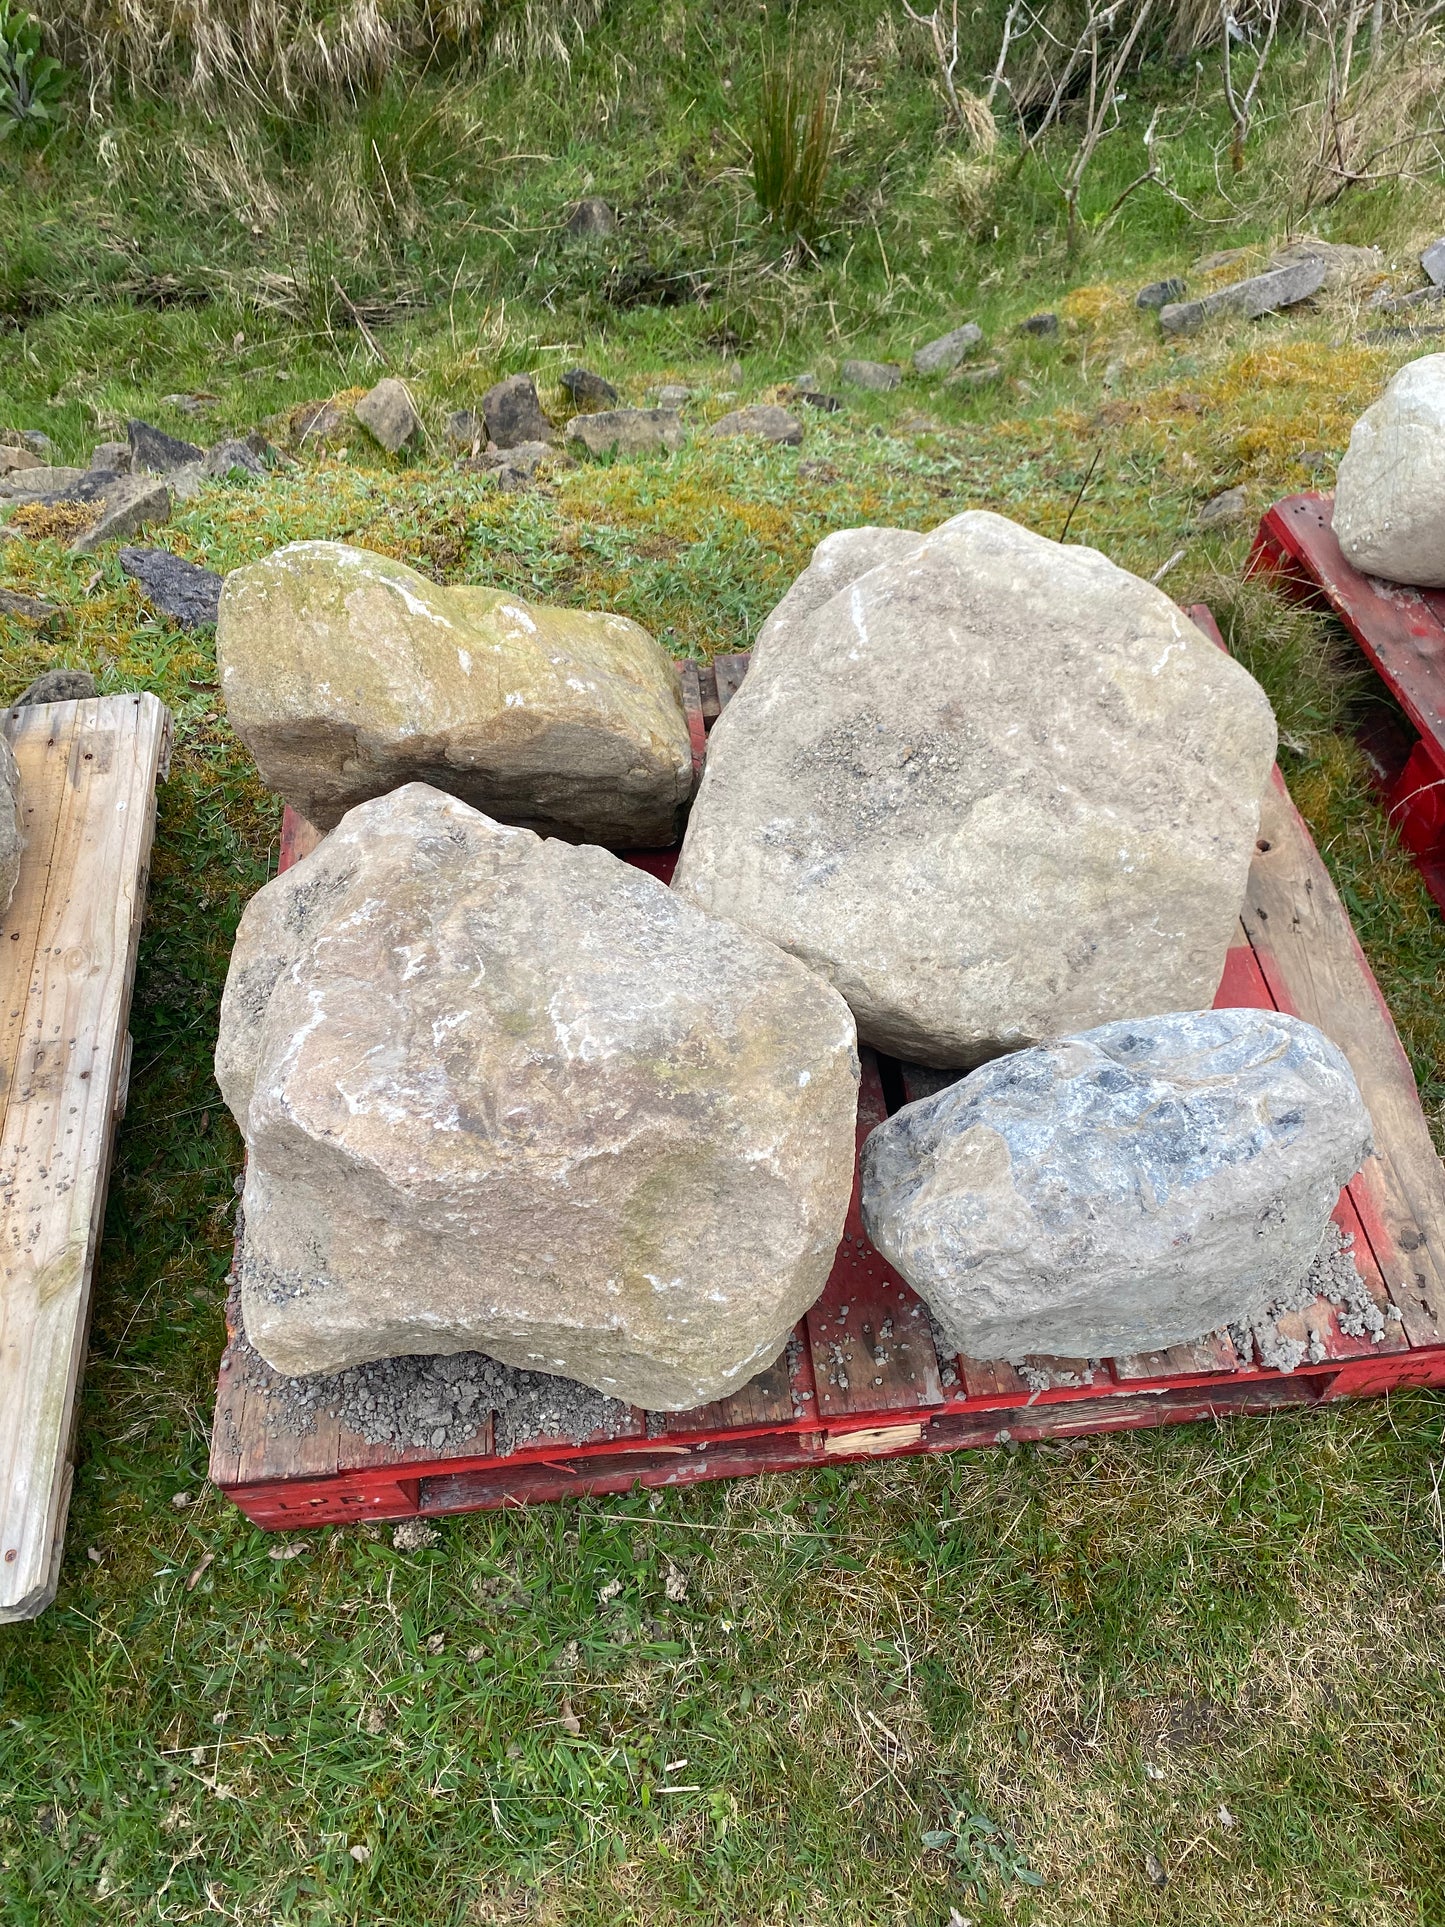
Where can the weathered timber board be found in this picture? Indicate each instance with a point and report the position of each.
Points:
(88, 775)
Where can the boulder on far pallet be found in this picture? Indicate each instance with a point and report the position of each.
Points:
(1389, 516)
(346, 674)
(994, 788)
(1121, 1191)
(513, 1096)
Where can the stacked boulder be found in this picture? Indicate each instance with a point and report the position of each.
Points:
(1389, 515)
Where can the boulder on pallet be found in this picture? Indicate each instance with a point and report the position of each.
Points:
(1390, 495)
(1121, 1191)
(993, 788)
(509, 1095)
(346, 674)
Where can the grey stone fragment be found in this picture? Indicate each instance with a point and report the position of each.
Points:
(1121, 1191)
(57, 686)
(878, 375)
(1389, 516)
(1344, 265)
(983, 376)
(514, 414)
(29, 608)
(815, 398)
(131, 502)
(591, 220)
(187, 593)
(112, 456)
(153, 452)
(672, 394)
(388, 414)
(1040, 324)
(587, 390)
(465, 431)
(52, 484)
(1433, 262)
(1224, 509)
(764, 421)
(14, 460)
(937, 357)
(1386, 303)
(521, 464)
(1159, 294)
(513, 1096)
(627, 431)
(1261, 294)
(32, 438)
(229, 456)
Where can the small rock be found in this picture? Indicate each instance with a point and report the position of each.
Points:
(1232, 505)
(414, 1535)
(187, 593)
(627, 431)
(1386, 303)
(388, 414)
(193, 404)
(1433, 262)
(1223, 258)
(1314, 459)
(229, 456)
(1389, 516)
(1343, 264)
(1261, 294)
(937, 357)
(1040, 324)
(114, 457)
(465, 431)
(1159, 294)
(878, 375)
(29, 608)
(815, 398)
(672, 394)
(764, 421)
(52, 485)
(57, 686)
(130, 502)
(14, 459)
(591, 220)
(153, 452)
(319, 421)
(1154, 1871)
(983, 376)
(918, 425)
(514, 414)
(587, 390)
(186, 483)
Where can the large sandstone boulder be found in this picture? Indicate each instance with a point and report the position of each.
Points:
(1121, 1191)
(513, 1096)
(1390, 495)
(12, 831)
(994, 789)
(345, 674)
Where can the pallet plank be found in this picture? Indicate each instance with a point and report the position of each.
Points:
(88, 774)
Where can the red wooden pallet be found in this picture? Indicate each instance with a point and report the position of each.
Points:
(862, 1376)
(1401, 632)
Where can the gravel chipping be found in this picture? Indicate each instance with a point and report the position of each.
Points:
(1332, 1276)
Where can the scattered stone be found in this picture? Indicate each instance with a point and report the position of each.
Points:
(346, 674)
(414, 1535)
(1161, 294)
(587, 390)
(514, 414)
(1387, 303)
(627, 431)
(1224, 258)
(918, 425)
(1344, 265)
(1035, 752)
(515, 466)
(983, 376)
(320, 421)
(388, 414)
(878, 375)
(1314, 459)
(592, 220)
(227, 457)
(113, 457)
(672, 394)
(192, 404)
(514, 1096)
(15, 459)
(1433, 262)
(12, 828)
(29, 608)
(938, 357)
(57, 686)
(465, 432)
(1121, 1191)
(763, 421)
(1260, 295)
(51, 485)
(1224, 509)
(1040, 324)
(153, 452)
(130, 502)
(1390, 491)
(815, 398)
(187, 593)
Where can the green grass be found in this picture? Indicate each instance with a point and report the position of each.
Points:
(796, 1702)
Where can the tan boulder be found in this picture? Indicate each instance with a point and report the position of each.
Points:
(509, 1095)
(346, 674)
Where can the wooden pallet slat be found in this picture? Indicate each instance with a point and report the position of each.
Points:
(88, 773)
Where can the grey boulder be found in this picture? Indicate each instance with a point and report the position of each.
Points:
(1390, 493)
(57, 686)
(128, 503)
(184, 591)
(509, 1095)
(1433, 262)
(592, 220)
(388, 414)
(627, 431)
(1159, 294)
(1120, 1191)
(584, 389)
(764, 422)
(878, 375)
(1259, 295)
(153, 452)
(993, 788)
(1231, 505)
(514, 414)
(938, 357)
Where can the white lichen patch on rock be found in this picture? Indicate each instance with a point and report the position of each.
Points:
(993, 788)
(346, 674)
(509, 1095)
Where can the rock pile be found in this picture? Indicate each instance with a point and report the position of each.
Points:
(346, 674)
(1119, 1191)
(1390, 494)
(509, 1095)
(994, 789)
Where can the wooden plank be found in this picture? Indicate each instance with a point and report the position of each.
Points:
(88, 774)
(870, 1339)
(299, 837)
(694, 708)
(1304, 942)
